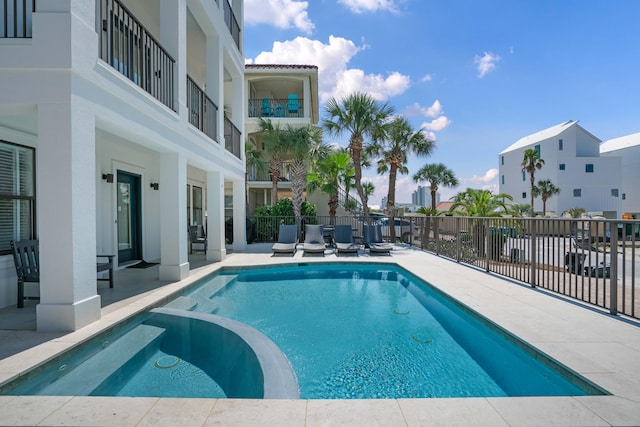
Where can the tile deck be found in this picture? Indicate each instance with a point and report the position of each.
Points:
(605, 349)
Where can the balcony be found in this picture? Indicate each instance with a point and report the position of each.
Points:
(203, 112)
(265, 176)
(15, 18)
(232, 23)
(127, 46)
(291, 107)
(232, 138)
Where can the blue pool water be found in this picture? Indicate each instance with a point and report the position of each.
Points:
(366, 331)
(347, 330)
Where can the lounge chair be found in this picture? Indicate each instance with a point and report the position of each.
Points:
(313, 239)
(343, 240)
(287, 239)
(372, 237)
(197, 237)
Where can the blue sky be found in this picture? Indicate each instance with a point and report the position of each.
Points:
(475, 75)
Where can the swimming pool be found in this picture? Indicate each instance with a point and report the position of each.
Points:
(348, 330)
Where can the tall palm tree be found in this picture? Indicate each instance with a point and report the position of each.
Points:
(300, 144)
(521, 209)
(272, 136)
(330, 173)
(361, 116)
(253, 161)
(530, 163)
(545, 189)
(395, 145)
(436, 175)
(474, 202)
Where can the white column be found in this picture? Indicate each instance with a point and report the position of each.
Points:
(215, 216)
(215, 80)
(174, 263)
(306, 103)
(239, 215)
(173, 37)
(66, 179)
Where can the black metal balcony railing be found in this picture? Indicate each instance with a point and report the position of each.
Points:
(15, 18)
(270, 107)
(129, 48)
(203, 112)
(265, 176)
(232, 138)
(232, 23)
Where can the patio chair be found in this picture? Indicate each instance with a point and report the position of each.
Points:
(343, 240)
(313, 239)
(372, 237)
(197, 238)
(26, 258)
(267, 109)
(293, 107)
(287, 239)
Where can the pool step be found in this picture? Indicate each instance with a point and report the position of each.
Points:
(90, 374)
(182, 303)
(204, 294)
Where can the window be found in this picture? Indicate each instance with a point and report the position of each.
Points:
(524, 195)
(524, 177)
(502, 160)
(537, 148)
(561, 166)
(560, 145)
(624, 196)
(17, 194)
(577, 192)
(502, 179)
(197, 206)
(588, 168)
(614, 192)
(188, 204)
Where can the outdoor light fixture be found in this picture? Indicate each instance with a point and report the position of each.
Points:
(155, 185)
(107, 177)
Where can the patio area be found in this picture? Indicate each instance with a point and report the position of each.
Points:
(603, 348)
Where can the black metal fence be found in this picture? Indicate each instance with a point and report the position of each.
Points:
(15, 18)
(595, 261)
(232, 23)
(277, 108)
(129, 48)
(232, 138)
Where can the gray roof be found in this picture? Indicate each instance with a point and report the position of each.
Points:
(621, 143)
(540, 136)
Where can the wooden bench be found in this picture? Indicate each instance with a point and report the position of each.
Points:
(27, 262)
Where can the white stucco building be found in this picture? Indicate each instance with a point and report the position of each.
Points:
(119, 127)
(573, 163)
(627, 148)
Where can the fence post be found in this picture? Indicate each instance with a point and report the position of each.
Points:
(486, 239)
(458, 238)
(533, 250)
(613, 242)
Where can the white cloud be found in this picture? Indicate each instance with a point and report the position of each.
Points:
(427, 78)
(486, 63)
(437, 124)
(488, 177)
(279, 13)
(360, 6)
(332, 59)
(417, 110)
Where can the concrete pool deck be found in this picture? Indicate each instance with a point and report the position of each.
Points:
(604, 349)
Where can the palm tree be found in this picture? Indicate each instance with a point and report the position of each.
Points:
(575, 212)
(437, 175)
(299, 144)
(359, 115)
(394, 147)
(272, 136)
(253, 162)
(530, 163)
(480, 203)
(545, 189)
(330, 173)
(521, 209)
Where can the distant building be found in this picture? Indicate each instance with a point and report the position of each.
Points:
(572, 162)
(628, 149)
(422, 196)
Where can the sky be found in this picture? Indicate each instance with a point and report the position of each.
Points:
(474, 75)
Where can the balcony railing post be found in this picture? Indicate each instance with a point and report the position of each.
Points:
(533, 251)
(613, 246)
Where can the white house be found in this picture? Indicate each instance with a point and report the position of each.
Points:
(119, 127)
(572, 162)
(628, 149)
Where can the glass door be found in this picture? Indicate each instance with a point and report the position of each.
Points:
(128, 217)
